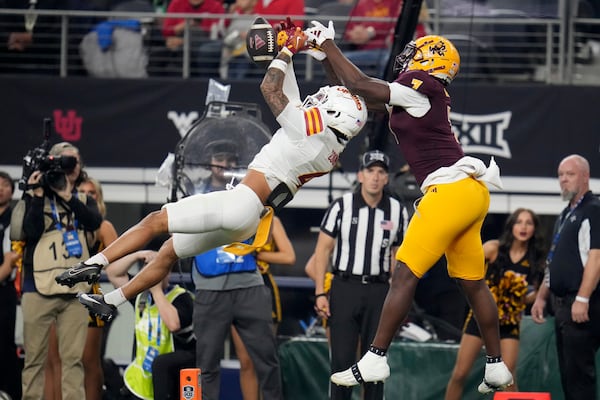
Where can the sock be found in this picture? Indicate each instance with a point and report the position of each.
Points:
(377, 350)
(493, 360)
(97, 259)
(116, 297)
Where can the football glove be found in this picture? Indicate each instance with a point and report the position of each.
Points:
(315, 53)
(319, 33)
(295, 42)
(284, 30)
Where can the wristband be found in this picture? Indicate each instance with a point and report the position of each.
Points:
(582, 299)
(320, 295)
(279, 64)
(287, 52)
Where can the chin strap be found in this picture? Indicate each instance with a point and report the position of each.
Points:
(339, 134)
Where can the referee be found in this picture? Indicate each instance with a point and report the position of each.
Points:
(358, 234)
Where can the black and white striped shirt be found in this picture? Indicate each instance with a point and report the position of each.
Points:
(365, 235)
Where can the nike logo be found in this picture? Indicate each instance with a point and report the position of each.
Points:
(89, 299)
(73, 272)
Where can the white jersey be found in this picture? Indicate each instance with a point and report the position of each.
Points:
(302, 149)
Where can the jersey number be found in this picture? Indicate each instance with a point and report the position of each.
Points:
(416, 83)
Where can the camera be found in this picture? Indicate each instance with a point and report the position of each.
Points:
(52, 167)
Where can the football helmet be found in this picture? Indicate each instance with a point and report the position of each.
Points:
(340, 109)
(433, 54)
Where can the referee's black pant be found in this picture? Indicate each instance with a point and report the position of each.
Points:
(576, 345)
(355, 310)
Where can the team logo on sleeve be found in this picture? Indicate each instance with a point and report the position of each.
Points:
(313, 121)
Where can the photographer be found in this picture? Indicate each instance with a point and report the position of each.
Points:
(57, 226)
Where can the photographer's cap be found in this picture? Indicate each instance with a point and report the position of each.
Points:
(373, 157)
(59, 148)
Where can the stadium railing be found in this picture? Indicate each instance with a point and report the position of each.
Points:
(505, 46)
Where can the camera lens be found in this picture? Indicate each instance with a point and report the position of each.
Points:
(56, 179)
(68, 163)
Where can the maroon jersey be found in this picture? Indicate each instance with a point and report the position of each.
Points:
(427, 143)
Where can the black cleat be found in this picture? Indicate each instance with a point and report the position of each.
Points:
(97, 306)
(80, 272)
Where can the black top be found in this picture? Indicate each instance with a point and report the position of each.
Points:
(4, 224)
(578, 231)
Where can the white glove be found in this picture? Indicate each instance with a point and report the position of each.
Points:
(315, 53)
(319, 33)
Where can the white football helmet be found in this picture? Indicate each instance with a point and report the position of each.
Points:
(341, 110)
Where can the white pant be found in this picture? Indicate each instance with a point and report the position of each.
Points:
(204, 221)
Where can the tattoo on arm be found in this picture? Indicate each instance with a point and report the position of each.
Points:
(272, 87)
(274, 97)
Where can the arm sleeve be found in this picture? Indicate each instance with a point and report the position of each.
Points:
(87, 214)
(33, 222)
(290, 85)
(415, 103)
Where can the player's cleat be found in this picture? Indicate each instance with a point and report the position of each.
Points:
(80, 272)
(97, 306)
(370, 368)
(497, 377)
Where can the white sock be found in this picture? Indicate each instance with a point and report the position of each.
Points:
(97, 259)
(116, 297)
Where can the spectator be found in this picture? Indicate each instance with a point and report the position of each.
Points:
(571, 281)
(201, 30)
(55, 225)
(21, 52)
(164, 335)
(10, 379)
(291, 8)
(370, 41)
(359, 231)
(30, 44)
(235, 62)
(234, 38)
(514, 273)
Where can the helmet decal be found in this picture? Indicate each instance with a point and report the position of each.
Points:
(433, 54)
(313, 121)
(337, 108)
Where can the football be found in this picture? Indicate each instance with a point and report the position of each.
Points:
(261, 41)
